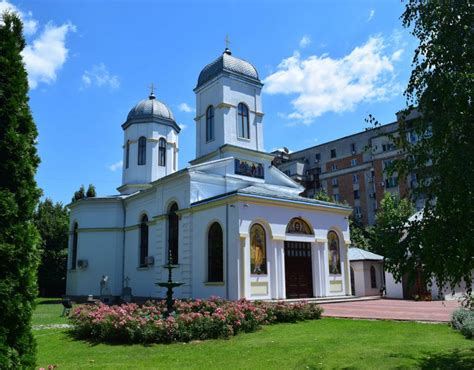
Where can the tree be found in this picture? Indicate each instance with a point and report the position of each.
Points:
(441, 87)
(322, 195)
(91, 191)
(52, 222)
(388, 235)
(19, 196)
(80, 194)
(361, 237)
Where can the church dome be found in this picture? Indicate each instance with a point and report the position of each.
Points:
(228, 63)
(151, 110)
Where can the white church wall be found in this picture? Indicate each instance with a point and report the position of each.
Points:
(392, 288)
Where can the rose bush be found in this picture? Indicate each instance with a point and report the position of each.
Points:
(192, 319)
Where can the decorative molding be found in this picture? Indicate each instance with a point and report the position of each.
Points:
(214, 283)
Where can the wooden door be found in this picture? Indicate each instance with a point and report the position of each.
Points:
(298, 270)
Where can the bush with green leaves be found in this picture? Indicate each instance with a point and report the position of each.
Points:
(463, 320)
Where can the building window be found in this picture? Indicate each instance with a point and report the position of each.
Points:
(388, 147)
(173, 233)
(334, 254)
(127, 154)
(353, 162)
(317, 157)
(333, 153)
(353, 148)
(356, 194)
(373, 277)
(243, 121)
(143, 240)
(336, 197)
(334, 167)
(162, 152)
(142, 151)
(335, 183)
(391, 182)
(358, 212)
(210, 123)
(215, 254)
(74, 247)
(387, 163)
(355, 179)
(258, 250)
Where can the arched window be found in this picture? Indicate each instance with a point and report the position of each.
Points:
(143, 240)
(142, 151)
(74, 247)
(243, 121)
(352, 282)
(127, 154)
(210, 123)
(215, 254)
(162, 152)
(258, 250)
(373, 277)
(334, 254)
(173, 233)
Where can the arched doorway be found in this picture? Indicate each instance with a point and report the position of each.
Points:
(298, 261)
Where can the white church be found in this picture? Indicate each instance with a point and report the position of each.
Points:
(235, 226)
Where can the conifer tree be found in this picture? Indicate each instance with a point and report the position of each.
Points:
(19, 196)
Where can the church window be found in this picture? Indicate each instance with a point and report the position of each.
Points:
(74, 247)
(258, 250)
(142, 151)
(215, 254)
(143, 240)
(173, 233)
(334, 254)
(373, 277)
(162, 152)
(243, 121)
(210, 123)
(127, 154)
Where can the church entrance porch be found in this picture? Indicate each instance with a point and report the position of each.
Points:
(298, 270)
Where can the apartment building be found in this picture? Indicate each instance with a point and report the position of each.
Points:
(351, 169)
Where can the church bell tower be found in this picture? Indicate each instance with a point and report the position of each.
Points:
(150, 149)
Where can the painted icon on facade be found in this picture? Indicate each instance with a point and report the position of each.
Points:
(258, 250)
(248, 168)
(334, 254)
(298, 226)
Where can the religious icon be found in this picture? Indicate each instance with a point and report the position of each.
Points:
(258, 260)
(247, 168)
(298, 226)
(334, 255)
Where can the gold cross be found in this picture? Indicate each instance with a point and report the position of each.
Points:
(152, 88)
(227, 41)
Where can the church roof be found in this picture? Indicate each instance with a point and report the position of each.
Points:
(357, 254)
(228, 63)
(151, 110)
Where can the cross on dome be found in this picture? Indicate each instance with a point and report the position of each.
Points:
(152, 89)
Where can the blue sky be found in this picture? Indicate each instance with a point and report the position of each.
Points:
(326, 65)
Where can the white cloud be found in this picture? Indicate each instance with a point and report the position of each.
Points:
(30, 25)
(116, 166)
(183, 107)
(182, 126)
(100, 76)
(371, 15)
(305, 41)
(323, 84)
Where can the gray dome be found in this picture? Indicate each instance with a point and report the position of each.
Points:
(150, 107)
(151, 110)
(227, 63)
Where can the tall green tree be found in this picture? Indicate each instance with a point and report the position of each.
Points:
(19, 196)
(52, 222)
(440, 148)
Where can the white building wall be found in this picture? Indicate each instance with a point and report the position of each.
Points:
(392, 288)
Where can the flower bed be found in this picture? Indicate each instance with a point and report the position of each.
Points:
(192, 320)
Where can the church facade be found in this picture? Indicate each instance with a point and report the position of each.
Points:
(234, 225)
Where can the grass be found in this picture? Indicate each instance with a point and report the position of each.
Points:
(48, 311)
(326, 343)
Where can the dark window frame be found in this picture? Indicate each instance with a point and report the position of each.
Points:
(373, 277)
(144, 233)
(75, 241)
(215, 254)
(333, 153)
(173, 233)
(141, 151)
(243, 120)
(127, 154)
(162, 152)
(210, 123)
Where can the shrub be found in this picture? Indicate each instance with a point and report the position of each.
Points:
(468, 328)
(459, 317)
(192, 320)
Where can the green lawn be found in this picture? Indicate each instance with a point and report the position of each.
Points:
(326, 343)
(48, 311)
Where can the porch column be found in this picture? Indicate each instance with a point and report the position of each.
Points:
(324, 271)
(315, 262)
(280, 267)
(273, 270)
(245, 248)
(347, 273)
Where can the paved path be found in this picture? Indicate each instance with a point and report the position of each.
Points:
(391, 309)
